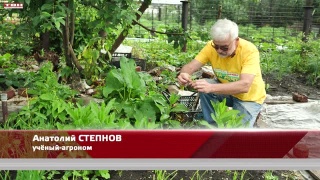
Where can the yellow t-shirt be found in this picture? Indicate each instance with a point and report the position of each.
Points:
(246, 60)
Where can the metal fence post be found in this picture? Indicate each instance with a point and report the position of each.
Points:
(184, 20)
(4, 99)
(159, 13)
(307, 22)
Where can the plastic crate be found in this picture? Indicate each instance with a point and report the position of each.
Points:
(141, 63)
(190, 102)
(123, 50)
(187, 116)
(127, 55)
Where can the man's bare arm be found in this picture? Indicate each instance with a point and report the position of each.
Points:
(232, 88)
(191, 67)
(187, 70)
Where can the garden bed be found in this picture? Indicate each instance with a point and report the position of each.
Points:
(207, 175)
(277, 87)
(179, 175)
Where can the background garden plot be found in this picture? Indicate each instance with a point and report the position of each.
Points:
(291, 116)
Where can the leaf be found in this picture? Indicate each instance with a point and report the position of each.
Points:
(36, 20)
(55, 104)
(226, 118)
(128, 71)
(205, 123)
(47, 96)
(44, 15)
(130, 108)
(164, 117)
(131, 77)
(179, 108)
(7, 56)
(117, 74)
(160, 102)
(174, 98)
(141, 123)
(62, 116)
(61, 107)
(73, 113)
(175, 124)
(114, 82)
(57, 24)
(147, 109)
(54, 113)
(109, 106)
(152, 125)
(46, 7)
(125, 124)
(40, 115)
(86, 52)
(27, 2)
(104, 173)
(95, 54)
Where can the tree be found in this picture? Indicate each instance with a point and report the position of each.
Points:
(64, 19)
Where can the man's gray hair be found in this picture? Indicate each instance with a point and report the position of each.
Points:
(224, 29)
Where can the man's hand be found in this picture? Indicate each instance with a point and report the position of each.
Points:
(184, 79)
(202, 86)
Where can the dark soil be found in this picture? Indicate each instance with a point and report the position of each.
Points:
(205, 175)
(285, 85)
(185, 175)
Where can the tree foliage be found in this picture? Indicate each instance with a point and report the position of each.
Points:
(75, 23)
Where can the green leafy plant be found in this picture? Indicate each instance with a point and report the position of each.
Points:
(198, 176)
(5, 59)
(93, 59)
(269, 176)
(102, 173)
(236, 174)
(168, 77)
(5, 174)
(161, 53)
(48, 105)
(86, 174)
(124, 83)
(65, 74)
(16, 80)
(20, 44)
(135, 100)
(226, 118)
(164, 175)
(32, 174)
(42, 112)
(51, 174)
(82, 117)
(177, 36)
(45, 81)
(92, 116)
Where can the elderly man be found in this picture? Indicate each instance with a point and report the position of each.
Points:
(236, 64)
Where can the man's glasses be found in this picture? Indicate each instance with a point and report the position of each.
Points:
(223, 48)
